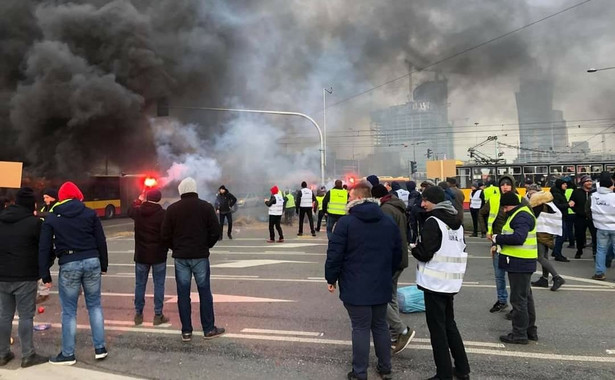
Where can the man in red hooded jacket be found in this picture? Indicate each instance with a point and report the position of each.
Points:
(81, 248)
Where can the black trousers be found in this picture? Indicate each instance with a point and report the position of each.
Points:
(474, 213)
(522, 301)
(274, 220)
(289, 213)
(444, 335)
(229, 218)
(569, 226)
(321, 214)
(580, 228)
(303, 211)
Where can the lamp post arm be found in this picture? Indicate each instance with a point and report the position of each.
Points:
(320, 135)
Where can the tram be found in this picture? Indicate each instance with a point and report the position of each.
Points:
(541, 173)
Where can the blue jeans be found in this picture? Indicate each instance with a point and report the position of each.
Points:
(366, 319)
(184, 269)
(500, 280)
(331, 220)
(159, 272)
(559, 244)
(73, 276)
(605, 239)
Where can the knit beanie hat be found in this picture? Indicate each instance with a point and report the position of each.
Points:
(303, 184)
(534, 187)
(606, 180)
(509, 199)
(53, 193)
(379, 191)
(69, 190)
(434, 194)
(374, 180)
(187, 185)
(25, 198)
(274, 190)
(585, 178)
(505, 180)
(154, 195)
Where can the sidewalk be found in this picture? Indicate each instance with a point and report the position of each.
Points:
(52, 372)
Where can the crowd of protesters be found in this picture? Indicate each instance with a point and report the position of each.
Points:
(372, 228)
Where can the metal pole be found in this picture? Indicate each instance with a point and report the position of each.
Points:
(320, 135)
(324, 117)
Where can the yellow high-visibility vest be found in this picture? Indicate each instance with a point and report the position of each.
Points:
(529, 248)
(494, 209)
(568, 194)
(290, 201)
(319, 199)
(337, 202)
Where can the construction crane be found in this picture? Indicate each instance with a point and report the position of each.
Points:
(482, 158)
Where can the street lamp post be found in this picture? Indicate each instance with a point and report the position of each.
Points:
(320, 134)
(324, 116)
(593, 70)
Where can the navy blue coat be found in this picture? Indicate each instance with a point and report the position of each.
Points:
(522, 224)
(72, 227)
(364, 251)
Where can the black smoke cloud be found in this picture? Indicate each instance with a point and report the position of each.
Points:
(79, 78)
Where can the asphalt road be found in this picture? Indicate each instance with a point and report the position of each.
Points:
(282, 323)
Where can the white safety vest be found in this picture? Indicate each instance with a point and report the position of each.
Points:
(306, 197)
(278, 207)
(444, 272)
(550, 223)
(603, 211)
(475, 201)
(403, 195)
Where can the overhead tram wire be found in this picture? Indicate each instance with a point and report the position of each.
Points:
(458, 54)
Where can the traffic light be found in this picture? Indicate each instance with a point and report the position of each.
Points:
(429, 153)
(412, 167)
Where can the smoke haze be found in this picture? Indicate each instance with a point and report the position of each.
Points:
(79, 80)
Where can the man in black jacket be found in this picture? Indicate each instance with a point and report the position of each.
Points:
(190, 229)
(517, 244)
(150, 253)
(305, 203)
(578, 199)
(558, 190)
(224, 207)
(19, 234)
(401, 334)
(442, 262)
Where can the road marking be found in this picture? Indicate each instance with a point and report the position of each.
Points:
(255, 263)
(610, 352)
(275, 245)
(589, 281)
(132, 323)
(319, 334)
(319, 280)
(256, 253)
(224, 298)
(281, 332)
(338, 342)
